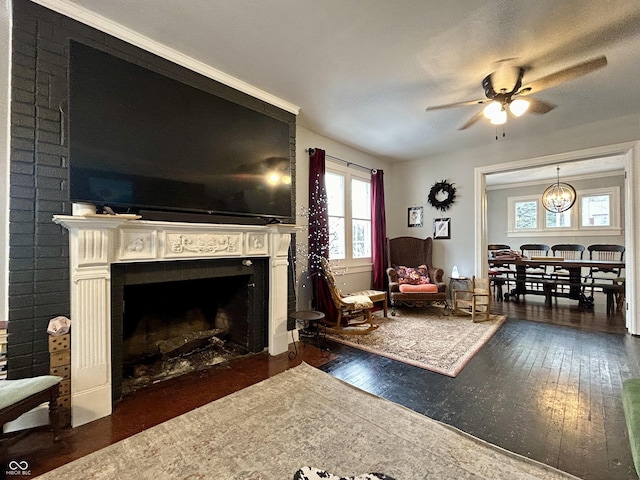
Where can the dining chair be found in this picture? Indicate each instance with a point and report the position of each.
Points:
(567, 251)
(500, 274)
(530, 250)
(607, 252)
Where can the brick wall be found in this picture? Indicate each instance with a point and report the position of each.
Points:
(39, 189)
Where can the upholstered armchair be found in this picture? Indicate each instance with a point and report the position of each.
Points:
(408, 285)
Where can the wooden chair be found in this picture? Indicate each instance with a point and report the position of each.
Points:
(500, 275)
(568, 251)
(475, 302)
(354, 311)
(605, 251)
(531, 250)
(413, 252)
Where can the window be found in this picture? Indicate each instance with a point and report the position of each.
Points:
(526, 214)
(558, 220)
(596, 211)
(349, 210)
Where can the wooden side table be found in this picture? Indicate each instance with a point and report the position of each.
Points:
(313, 330)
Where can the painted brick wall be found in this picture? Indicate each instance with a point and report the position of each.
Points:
(38, 249)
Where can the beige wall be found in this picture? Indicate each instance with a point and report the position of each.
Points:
(409, 182)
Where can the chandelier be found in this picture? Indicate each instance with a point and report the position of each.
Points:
(559, 197)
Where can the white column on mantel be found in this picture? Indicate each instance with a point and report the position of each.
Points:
(90, 244)
(97, 241)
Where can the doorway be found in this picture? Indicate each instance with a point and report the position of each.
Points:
(631, 154)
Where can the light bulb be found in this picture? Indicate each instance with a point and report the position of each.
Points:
(492, 110)
(499, 118)
(519, 106)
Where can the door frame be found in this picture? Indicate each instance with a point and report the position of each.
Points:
(631, 153)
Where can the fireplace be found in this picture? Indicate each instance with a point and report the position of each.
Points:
(101, 245)
(182, 316)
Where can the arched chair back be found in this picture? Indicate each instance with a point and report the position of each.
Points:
(567, 251)
(606, 252)
(531, 250)
(534, 250)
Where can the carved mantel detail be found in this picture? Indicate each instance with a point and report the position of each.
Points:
(203, 243)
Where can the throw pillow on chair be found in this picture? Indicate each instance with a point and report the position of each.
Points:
(424, 288)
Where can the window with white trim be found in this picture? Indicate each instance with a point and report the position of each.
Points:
(595, 210)
(349, 210)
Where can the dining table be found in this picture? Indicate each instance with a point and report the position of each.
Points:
(573, 266)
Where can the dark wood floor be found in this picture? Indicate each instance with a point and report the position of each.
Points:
(549, 392)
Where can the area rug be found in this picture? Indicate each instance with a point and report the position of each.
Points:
(302, 417)
(426, 338)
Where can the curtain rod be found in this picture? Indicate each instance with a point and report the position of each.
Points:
(349, 164)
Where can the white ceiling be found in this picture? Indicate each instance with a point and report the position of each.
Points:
(363, 71)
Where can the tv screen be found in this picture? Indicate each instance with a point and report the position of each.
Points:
(141, 140)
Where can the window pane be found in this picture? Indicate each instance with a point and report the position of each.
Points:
(596, 210)
(558, 220)
(335, 193)
(336, 238)
(526, 214)
(360, 199)
(361, 238)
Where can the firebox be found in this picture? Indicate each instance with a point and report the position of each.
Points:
(170, 318)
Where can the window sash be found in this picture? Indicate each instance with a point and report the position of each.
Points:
(349, 225)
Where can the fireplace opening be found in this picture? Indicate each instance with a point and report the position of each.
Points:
(173, 328)
(169, 326)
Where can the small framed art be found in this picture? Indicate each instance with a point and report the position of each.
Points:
(415, 217)
(442, 228)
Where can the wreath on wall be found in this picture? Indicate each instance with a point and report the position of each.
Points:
(437, 190)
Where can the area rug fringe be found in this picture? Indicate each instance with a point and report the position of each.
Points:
(426, 338)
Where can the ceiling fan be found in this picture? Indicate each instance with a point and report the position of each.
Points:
(504, 91)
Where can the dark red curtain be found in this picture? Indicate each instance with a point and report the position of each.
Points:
(378, 231)
(319, 233)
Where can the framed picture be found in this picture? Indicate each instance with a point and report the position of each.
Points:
(442, 228)
(415, 217)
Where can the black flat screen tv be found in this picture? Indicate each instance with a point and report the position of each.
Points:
(141, 140)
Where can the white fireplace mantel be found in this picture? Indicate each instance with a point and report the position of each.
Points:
(97, 241)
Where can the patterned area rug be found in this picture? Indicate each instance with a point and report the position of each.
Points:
(302, 417)
(426, 338)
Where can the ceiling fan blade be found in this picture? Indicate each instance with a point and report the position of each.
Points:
(458, 104)
(564, 75)
(471, 121)
(539, 107)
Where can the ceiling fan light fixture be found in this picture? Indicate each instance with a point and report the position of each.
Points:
(492, 109)
(559, 197)
(519, 106)
(499, 118)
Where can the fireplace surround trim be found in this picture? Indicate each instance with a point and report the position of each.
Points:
(97, 241)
